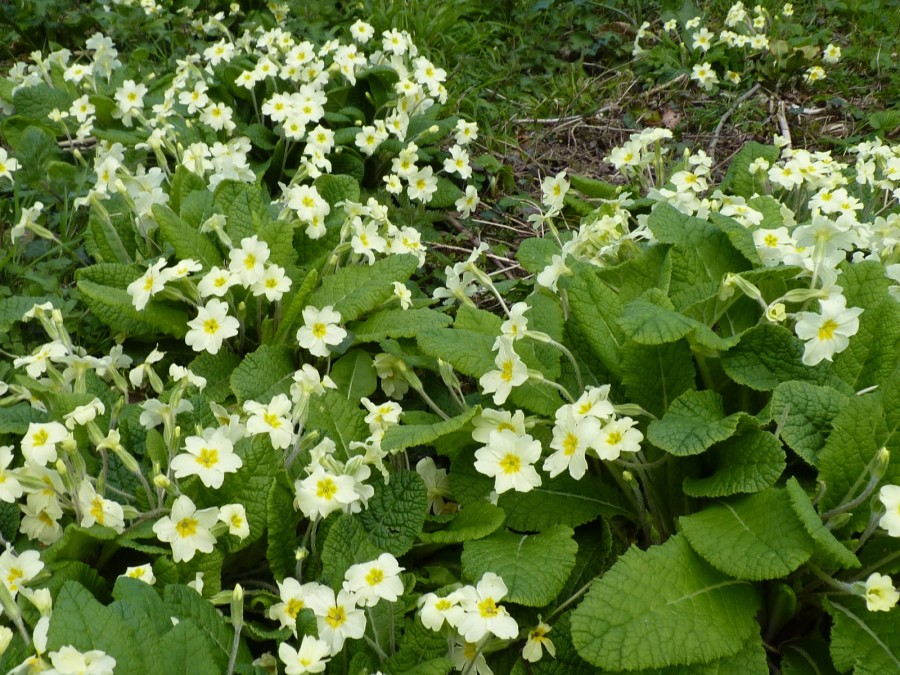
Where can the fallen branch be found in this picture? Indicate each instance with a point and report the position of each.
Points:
(782, 123)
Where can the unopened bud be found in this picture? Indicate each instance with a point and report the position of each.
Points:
(776, 312)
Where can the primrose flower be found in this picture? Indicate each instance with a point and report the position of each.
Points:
(97, 509)
(468, 202)
(511, 372)
(337, 618)
(209, 457)
(187, 529)
(147, 285)
(235, 517)
(483, 615)
(273, 419)
(211, 327)
(248, 261)
(814, 74)
(320, 330)
(831, 54)
(70, 661)
(322, 493)
(375, 580)
(294, 596)
(141, 573)
(554, 190)
(8, 165)
(828, 333)
(537, 641)
(129, 101)
(572, 436)
(437, 484)
(18, 570)
(40, 441)
(880, 594)
(705, 76)
(10, 487)
(310, 657)
(422, 185)
(509, 459)
(434, 610)
(890, 498)
(617, 437)
(466, 132)
(273, 284)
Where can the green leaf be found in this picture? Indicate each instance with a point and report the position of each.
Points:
(143, 597)
(534, 567)
(16, 418)
(536, 253)
(418, 647)
(337, 188)
(593, 188)
(474, 521)
(186, 603)
(747, 463)
(9, 520)
(109, 243)
(217, 369)
(845, 461)
(872, 354)
(357, 289)
(187, 241)
(868, 642)
(396, 513)
(347, 543)
(594, 312)
(294, 310)
(470, 353)
(806, 657)
(446, 194)
(79, 620)
(755, 537)
(655, 375)
(354, 374)
(263, 374)
(693, 423)
(827, 545)
(804, 413)
(187, 649)
(398, 323)
(282, 520)
(403, 436)
(36, 102)
(693, 613)
(768, 355)
(651, 320)
(560, 501)
(184, 182)
(341, 420)
(279, 235)
(738, 179)
(243, 207)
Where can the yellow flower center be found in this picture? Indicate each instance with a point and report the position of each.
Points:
(506, 371)
(272, 420)
(826, 330)
(97, 508)
(771, 240)
(186, 527)
(614, 438)
(443, 605)
(40, 437)
(374, 577)
(326, 489)
(488, 608)
(319, 330)
(250, 261)
(293, 607)
(336, 617)
(511, 463)
(211, 326)
(14, 575)
(208, 457)
(570, 444)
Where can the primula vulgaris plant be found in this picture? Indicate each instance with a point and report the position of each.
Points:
(678, 451)
(748, 45)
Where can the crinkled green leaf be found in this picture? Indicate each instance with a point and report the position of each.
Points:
(337, 188)
(217, 369)
(446, 194)
(396, 513)
(561, 501)
(738, 179)
(293, 311)
(343, 421)
(36, 102)
(78, 543)
(15, 419)
(347, 543)
(751, 660)
(187, 649)
(398, 323)
(282, 520)
(655, 375)
(186, 603)
(263, 374)
(593, 188)
(872, 354)
(419, 646)
(279, 235)
(807, 657)
(768, 355)
(403, 436)
(79, 620)
(747, 463)
(184, 182)
(754, 537)
(663, 607)
(471, 353)
(354, 374)
(534, 567)
(9, 520)
(477, 320)
(594, 312)
(108, 243)
(357, 289)
(868, 642)
(243, 207)
(846, 460)
(144, 598)
(566, 662)
(535, 253)
(103, 290)
(473, 521)
(693, 423)
(827, 545)
(187, 241)
(804, 413)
